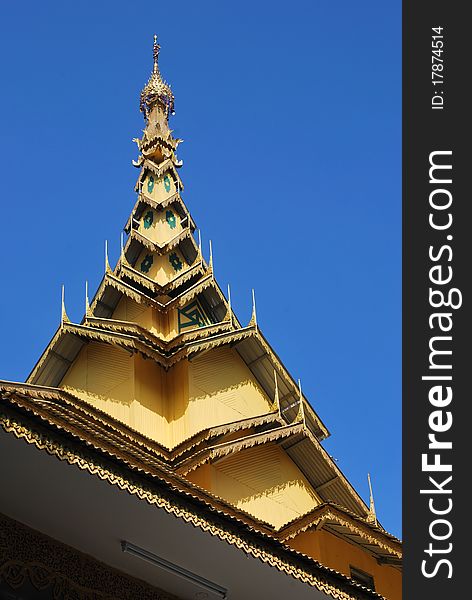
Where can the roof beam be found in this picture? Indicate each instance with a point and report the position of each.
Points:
(289, 447)
(107, 306)
(256, 360)
(291, 405)
(326, 483)
(389, 560)
(60, 357)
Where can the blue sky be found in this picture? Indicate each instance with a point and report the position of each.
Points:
(291, 118)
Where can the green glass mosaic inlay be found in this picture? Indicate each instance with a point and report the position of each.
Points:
(148, 219)
(175, 261)
(192, 316)
(147, 263)
(167, 183)
(150, 184)
(171, 220)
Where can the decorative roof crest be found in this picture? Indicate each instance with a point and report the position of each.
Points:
(156, 89)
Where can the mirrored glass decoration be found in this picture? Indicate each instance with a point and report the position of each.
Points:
(171, 220)
(148, 219)
(175, 261)
(146, 264)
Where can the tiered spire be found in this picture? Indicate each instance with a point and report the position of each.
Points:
(161, 352)
(162, 302)
(162, 299)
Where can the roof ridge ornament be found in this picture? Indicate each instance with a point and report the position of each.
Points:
(156, 89)
(200, 255)
(64, 317)
(88, 312)
(372, 516)
(107, 262)
(230, 310)
(210, 263)
(300, 418)
(276, 401)
(253, 321)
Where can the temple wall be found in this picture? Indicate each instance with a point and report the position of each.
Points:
(169, 407)
(150, 407)
(129, 310)
(127, 387)
(222, 390)
(104, 376)
(147, 317)
(172, 321)
(341, 555)
(262, 481)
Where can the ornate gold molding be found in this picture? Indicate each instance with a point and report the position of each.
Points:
(28, 556)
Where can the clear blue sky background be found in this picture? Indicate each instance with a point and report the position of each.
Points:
(290, 113)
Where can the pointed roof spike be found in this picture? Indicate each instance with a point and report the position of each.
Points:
(276, 402)
(230, 310)
(87, 303)
(301, 411)
(372, 516)
(199, 244)
(107, 264)
(64, 317)
(253, 320)
(210, 264)
(122, 246)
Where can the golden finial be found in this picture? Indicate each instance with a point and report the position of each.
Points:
(372, 516)
(156, 89)
(64, 317)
